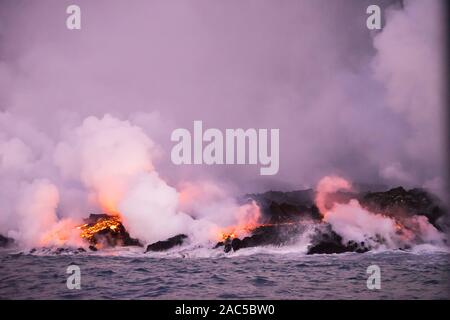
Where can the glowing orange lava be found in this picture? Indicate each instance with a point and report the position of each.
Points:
(89, 230)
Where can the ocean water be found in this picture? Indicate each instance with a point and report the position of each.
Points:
(209, 274)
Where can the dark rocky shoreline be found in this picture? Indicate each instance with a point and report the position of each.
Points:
(285, 215)
(285, 211)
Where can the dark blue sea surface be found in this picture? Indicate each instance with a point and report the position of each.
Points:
(257, 275)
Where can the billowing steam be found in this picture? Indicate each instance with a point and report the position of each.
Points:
(112, 161)
(355, 223)
(38, 199)
(211, 202)
(105, 155)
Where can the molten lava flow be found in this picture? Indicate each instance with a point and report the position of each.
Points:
(103, 230)
(88, 231)
(247, 216)
(64, 232)
(237, 231)
(225, 236)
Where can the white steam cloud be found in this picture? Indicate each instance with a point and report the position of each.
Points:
(355, 223)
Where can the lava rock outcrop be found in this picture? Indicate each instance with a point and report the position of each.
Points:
(286, 207)
(5, 241)
(164, 245)
(107, 235)
(285, 212)
(398, 203)
(326, 241)
(275, 235)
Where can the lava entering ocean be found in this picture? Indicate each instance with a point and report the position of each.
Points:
(88, 231)
(332, 219)
(106, 230)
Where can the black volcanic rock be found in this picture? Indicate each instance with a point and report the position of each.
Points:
(296, 198)
(284, 207)
(95, 217)
(277, 234)
(119, 237)
(326, 241)
(400, 203)
(226, 244)
(293, 208)
(287, 212)
(167, 244)
(281, 207)
(109, 237)
(328, 247)
(5, 241)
